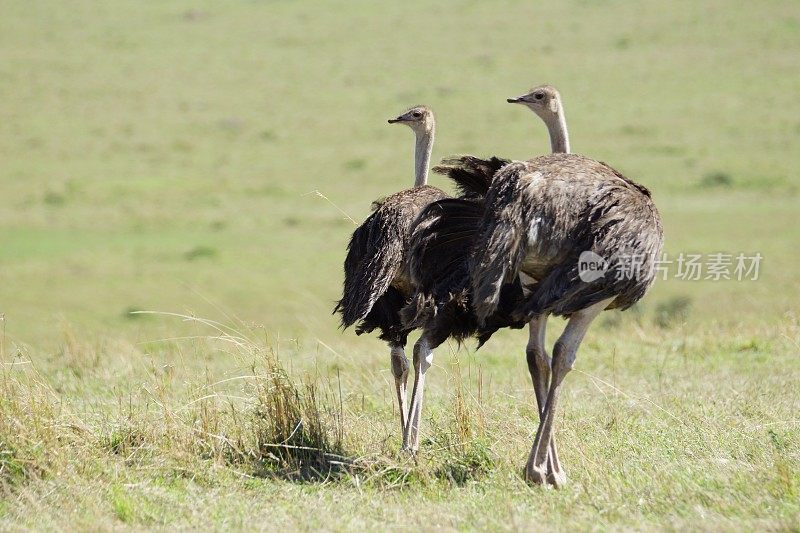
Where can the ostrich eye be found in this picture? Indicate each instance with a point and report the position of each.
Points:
(538, 96)
(416, 114)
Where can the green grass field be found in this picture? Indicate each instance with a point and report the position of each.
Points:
(199, 158)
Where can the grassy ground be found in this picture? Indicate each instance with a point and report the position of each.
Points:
(164, 156)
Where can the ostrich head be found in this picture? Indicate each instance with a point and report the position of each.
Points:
(419, 118)
(543, 100)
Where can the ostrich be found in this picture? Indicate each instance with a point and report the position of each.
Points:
(377, 283)
(582, 205)
(377, 280)
(442, 235)
(563, 206)
(542, 219)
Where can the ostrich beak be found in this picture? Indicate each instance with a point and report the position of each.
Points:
(395, 120)
(517, 100)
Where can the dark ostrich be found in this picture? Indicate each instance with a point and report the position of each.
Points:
(376, 278)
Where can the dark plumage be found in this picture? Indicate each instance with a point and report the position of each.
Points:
(441, 244)
(471, 175)
(377, 281)
(385, 268)
(541, 214)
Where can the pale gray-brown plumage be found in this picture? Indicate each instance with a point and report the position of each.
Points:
(558, 205)
(540, 216)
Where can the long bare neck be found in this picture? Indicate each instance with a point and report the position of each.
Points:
(422, 156)
(557, 127)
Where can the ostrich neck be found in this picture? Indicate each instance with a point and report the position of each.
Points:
(422, 156)
(557, 127)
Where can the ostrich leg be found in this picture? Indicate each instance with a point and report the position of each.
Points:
(539, 368)
(400, 373)
(564, 353)
(423, 358)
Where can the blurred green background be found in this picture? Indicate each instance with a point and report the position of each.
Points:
(160, 155)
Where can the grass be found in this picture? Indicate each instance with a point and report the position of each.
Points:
(206, 158)
(321, 448)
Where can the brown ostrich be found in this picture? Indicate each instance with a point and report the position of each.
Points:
(516, 259)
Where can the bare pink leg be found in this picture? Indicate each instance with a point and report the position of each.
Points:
(423, 358)
(539, 367)
(400, 373)
(564, 354)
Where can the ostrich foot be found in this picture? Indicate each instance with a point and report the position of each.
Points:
(540, 475)
(557, 478)
(535, 475)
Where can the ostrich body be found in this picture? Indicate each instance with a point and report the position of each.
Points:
(540, 216)
(377, 283)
